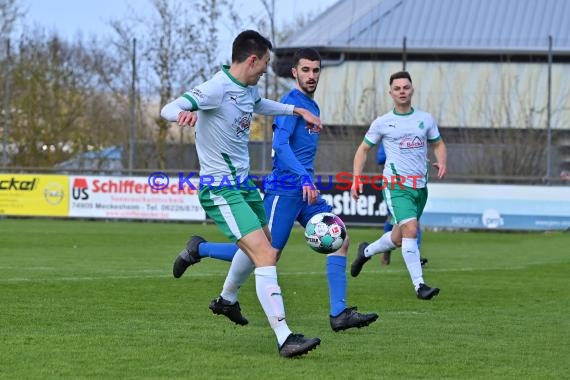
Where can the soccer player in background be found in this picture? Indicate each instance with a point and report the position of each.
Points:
(405, 133)
(385, 258)
(290, 195)
(225, 105)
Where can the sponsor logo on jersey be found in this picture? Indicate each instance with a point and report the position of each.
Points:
(197, 94)
(411, 142)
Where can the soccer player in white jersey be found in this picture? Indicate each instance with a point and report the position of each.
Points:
(290, 195)
(405, 132)
(225, 105)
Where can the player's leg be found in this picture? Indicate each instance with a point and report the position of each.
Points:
(335, 262)
(241, 266)
(384, 244)
(228, 209)
(385, 259)
(423, 260)
(388, 226)
(196, 249)
(240, 215)
(408, 205)
(341, 317)
(257, 246)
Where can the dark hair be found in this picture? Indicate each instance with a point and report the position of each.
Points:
(306, 53)
(400, 75)
(247, 43)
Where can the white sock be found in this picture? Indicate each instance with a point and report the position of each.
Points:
(269, 295)
(411, 255)
(383, 244)
(239, 272)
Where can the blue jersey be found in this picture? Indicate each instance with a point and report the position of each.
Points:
(294, 148)
(381, 157)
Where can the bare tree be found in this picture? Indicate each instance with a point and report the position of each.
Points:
(58, 108)
(178, 49)
(10, 12)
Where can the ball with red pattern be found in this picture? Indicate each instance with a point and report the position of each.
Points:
(325, 233)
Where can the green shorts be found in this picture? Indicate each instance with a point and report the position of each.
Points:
(236, 211)
(405, 204)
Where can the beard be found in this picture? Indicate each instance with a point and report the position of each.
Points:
(308, 88)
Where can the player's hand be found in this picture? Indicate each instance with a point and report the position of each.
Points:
(356, 189)
(310, 194)
(441, 169)
(313, 122)
(188, 118)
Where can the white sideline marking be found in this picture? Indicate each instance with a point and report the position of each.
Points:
(148, 274)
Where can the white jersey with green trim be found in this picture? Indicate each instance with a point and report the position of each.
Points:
(225, 109)
(405, 138)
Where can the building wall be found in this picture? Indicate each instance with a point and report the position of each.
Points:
(458, 94)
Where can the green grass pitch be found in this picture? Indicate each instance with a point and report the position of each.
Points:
(96, 299)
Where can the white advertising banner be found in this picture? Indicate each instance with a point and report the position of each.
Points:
(133, 198)
(508, 207)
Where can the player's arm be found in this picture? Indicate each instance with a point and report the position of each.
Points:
(358, 166)
(269, 107)
(206, 96)
(284, 127)
(439, 149)
(440, 152)
(181, 111)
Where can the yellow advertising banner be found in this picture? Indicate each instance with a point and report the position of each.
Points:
(34, 194)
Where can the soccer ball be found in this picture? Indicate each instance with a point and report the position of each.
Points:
(325, 233)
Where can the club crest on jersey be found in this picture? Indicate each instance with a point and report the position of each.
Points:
(241, 124)
(421, 125)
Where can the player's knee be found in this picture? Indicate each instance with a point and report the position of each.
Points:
(343, 251)
(410, 229)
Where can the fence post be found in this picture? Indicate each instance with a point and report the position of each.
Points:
(132, 121)
(7, 96)
(548, 114)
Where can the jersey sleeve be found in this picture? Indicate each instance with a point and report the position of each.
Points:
(206, 96)
(283, 128)
(373, 135)
(171, 110)
(432, 131)
(271, 108)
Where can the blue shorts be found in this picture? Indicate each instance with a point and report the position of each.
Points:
(282, 212)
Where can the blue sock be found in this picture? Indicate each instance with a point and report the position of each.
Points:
(388, 227)
(220, 251)
(336, 275)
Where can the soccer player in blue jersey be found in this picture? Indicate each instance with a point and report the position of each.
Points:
(405, 132)
(290, 195)
(388, 226)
